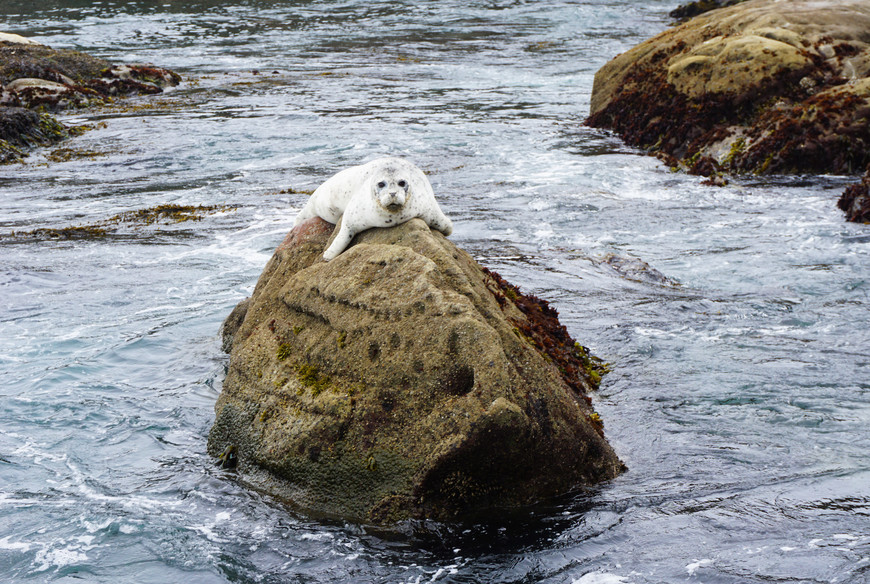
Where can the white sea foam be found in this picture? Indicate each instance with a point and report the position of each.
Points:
(222, 516)
(17, 546)
(447, 570)
(208, 532)
(693, 567)
(316, 536)
(600, 578)
(94, 527)
(59, 553)
(58, 557)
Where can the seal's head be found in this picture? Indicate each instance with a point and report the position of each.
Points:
(391, 188)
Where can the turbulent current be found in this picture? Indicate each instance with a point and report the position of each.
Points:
(735, 320)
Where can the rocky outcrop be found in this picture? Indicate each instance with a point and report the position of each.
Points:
(37, 77)
(22, 129)
(402, 380)
(855, 200)
(762, 87)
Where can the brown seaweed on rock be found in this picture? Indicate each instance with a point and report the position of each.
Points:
(855, 200)
(119, 225)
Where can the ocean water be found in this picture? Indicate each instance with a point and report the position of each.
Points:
(735, 319)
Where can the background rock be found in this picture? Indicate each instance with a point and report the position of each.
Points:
(35, 76)
(402, 380)
(762, 87)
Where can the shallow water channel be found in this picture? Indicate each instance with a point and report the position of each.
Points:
(739, 395)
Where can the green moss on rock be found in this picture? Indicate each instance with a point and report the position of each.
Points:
(110, 227)
(310, 377)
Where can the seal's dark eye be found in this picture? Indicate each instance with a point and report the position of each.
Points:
(382, 184)
(402, 184)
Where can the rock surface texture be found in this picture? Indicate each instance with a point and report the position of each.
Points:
(402, 380)
(763, 86)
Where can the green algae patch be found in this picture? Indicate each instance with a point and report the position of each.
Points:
(118, 225)
(51, 129)
(10, 153)
(169, 214)
(67, 154)
(310, 377)
(284, 351)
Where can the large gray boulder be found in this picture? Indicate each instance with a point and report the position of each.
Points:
(402, 380)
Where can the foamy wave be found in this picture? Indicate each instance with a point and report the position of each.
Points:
(601, 578)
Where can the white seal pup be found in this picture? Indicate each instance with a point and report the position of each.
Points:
(381, 193)
(8, 37)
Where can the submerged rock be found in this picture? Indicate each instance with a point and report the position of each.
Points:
(402, 380)
(637, 270)
(762, 87)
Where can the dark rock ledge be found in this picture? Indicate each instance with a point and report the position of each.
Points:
(855, 200)
(693, 9)
(402, 380)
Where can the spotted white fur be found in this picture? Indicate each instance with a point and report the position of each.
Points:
(381, 193)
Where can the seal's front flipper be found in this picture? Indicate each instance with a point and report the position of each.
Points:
(340, 243)
(442, 223)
